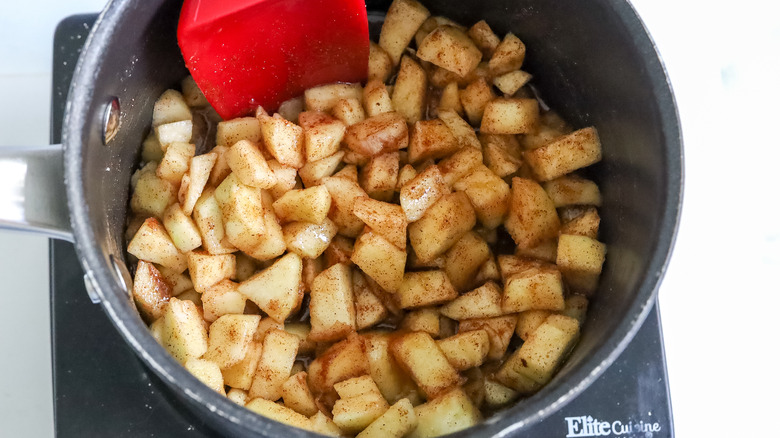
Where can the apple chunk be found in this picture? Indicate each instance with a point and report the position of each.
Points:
(276, 289)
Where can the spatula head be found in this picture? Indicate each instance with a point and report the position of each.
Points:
(245, 53)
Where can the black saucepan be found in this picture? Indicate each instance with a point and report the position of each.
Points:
(593, 61)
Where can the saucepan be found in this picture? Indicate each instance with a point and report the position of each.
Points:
(593, 61)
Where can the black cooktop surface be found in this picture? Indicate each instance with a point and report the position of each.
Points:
(102, 390)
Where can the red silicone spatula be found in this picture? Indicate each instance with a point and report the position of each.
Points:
(245, 53)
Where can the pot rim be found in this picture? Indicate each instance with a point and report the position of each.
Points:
(537, 407)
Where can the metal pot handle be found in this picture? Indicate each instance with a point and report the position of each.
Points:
(32, 191)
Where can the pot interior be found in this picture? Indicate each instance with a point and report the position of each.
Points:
(592, 62)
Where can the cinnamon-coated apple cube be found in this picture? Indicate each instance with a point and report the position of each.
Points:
(230, 132)
(181, 228)
(150, 291)
(450, 99)
(271, 244)
(339, 251)
(425, 320)
(565, 154)
(183, 332)
(546, 251)
(284, 140)
(475, 98)
(466, 349)
(221, 169)
(380, 66)
(307, 239)
(425, 288)
(380, 176)
(576, 307)
(178, 281)
(464, 258)
(238, 396)
(297, 396)
(286, 179)
(369, 309)
(535, 362)
(324, 97)
(207, 372)
(396, 422)
(176, 161)
(152, 244)
(536, 288)
(383, 133)
(322, 424)
(176, 132)
(278, 412)
(170, 107)
(243, 213)
(488, 193)
(207, 270)
(529, 321)
(580, 259)
(431, 139)
(344, 192)
(463, 132)
(484, 38)
(341, 361)
(380, 260)
(459, 164)
(306, 205)
(500, 330)
(508, 56)
(403, 19)
(279, 351)
(151, 194)
(248, 164)
(230, 338)
(431, 24)
(419, 355)
(410, 91)
(383, 218)
(359, 405)
(208, 217)
(422, 192)
(503, 155)
(376, 98)
(510, 82)
(322, 133)
(221, 299)
(449, 413)
(532, 216)
(392, 380)
(349, 111)
(482, 302)
(450, 48)
(498, 395)
(406, 174)
(276, 289)
(198, 176)
(584, 224)
(314, 171)
(443, 224)
(332, 306)
(488, 272)
(510, 116)
(571, 190)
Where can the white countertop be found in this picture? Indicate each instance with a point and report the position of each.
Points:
(718, 300)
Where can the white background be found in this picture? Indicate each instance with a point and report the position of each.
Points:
(719, 300)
